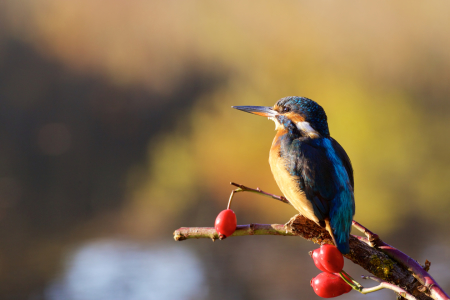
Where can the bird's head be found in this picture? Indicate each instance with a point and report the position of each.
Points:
(303, 113)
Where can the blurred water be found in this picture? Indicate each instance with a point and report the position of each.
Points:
(126, 270)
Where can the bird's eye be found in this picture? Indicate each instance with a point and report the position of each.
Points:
(286, 109)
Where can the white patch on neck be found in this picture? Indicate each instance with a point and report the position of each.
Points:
(306, 128)
(277, 124)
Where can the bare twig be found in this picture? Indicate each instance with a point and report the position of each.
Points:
(386, 285)
(383, 285)
(243, 188)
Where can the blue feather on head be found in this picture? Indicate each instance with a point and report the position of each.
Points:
(311, 110)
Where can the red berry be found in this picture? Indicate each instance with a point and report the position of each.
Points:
(226, 223)
(316, 258)
(328, 285)
(331, 258)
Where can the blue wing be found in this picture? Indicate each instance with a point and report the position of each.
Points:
(345, 160)
(325, 174)
(309, 163)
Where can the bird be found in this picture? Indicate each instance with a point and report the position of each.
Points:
(312, 170)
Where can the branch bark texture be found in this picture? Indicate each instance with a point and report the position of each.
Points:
(185, 233)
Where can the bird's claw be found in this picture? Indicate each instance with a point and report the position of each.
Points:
(288, 225)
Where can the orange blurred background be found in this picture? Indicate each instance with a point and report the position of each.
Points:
(116, 129)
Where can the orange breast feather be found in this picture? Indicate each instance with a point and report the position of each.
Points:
(287, 182)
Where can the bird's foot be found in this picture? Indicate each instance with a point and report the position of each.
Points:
(288, 225)
(372, 238)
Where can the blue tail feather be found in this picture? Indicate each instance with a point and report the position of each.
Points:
(341, 219)
(343, 245)
(343, 204)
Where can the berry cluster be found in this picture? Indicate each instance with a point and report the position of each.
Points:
(329, 283)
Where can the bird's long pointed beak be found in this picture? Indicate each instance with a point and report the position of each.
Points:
(265, 111)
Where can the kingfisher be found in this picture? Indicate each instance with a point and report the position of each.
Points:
(310, 167)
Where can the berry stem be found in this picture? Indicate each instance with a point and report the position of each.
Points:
(231, 198)
(350, 281)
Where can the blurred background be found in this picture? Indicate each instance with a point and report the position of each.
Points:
(116, 129)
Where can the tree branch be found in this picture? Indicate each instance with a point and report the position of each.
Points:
(429, 285)
(382, 260)
(185, 233)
